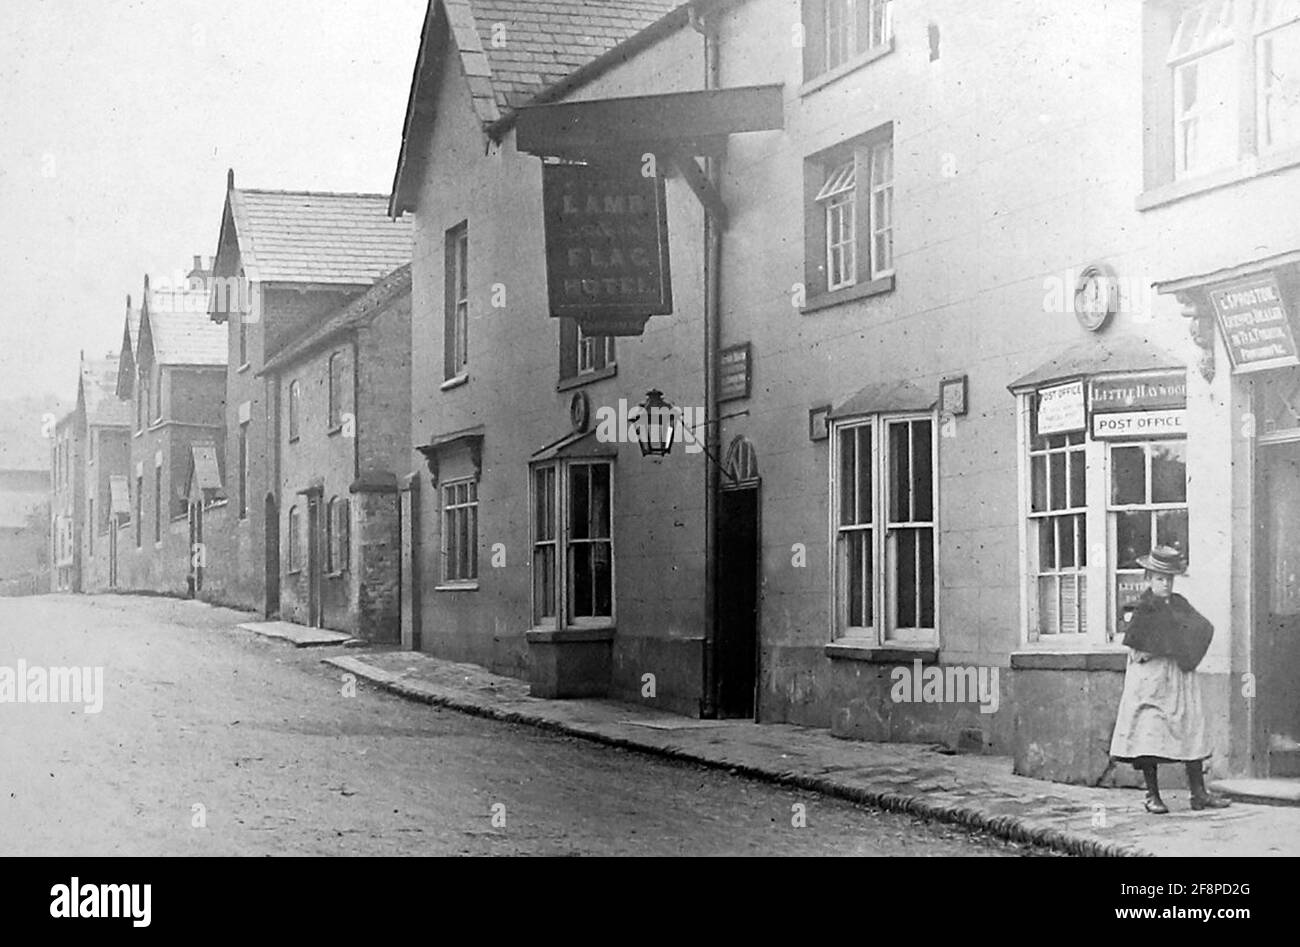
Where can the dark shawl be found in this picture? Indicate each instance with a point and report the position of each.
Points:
(1171, 628)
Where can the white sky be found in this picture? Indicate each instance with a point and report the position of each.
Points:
(119, 118)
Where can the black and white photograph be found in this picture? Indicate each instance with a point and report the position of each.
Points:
(651, 428)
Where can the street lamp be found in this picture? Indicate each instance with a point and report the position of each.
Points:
(656, 425)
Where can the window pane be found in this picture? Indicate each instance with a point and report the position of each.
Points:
(1078, 482)
(856, 561)
(926, 553)
(922, 472)
(581, 579)
(1065, 541)
(905, 572)
(1048, 610)
(1038, 474)
(600, 501)
(1057, 495)
(900, 474)
(1070, 605)
(544, 493)
(1128, 475)
(602, 580)
(1081, 530)
(1132, 538)
(1169, 472)
(579, 496)
(544, 581)
(1171, 529)
(866, 472)
(848, 482)
(1046, 544)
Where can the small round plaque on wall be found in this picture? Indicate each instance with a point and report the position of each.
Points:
(1096, 297)
(579, 412)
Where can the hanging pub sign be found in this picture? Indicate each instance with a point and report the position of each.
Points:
(1146, 391)
(1061, 409)
(606, 245)
(1253, 319)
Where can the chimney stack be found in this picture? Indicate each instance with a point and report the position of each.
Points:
(198, 262)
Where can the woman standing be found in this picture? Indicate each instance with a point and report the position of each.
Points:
(1161, 719)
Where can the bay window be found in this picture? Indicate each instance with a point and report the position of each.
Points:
(572, 543)
(884, 529)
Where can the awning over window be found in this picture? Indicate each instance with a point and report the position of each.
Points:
(577, 444)
(119, 494)
(207, 476)
(1098, 356)
(885, 396)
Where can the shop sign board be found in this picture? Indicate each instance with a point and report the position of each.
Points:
(1256, 327)
(1061, 409)
(1144, 391)
(1170, 422)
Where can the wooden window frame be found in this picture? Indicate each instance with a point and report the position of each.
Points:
(459, 567)
(881, 601)
(456, 302)
(563, 543)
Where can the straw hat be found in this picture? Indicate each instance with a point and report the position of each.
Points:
(1164, 559)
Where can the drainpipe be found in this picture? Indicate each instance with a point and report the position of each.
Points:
(712, 342)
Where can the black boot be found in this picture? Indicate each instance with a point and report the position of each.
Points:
(1154, 804)
(1202, 798)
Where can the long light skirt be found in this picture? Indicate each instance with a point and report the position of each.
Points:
(1160, 713)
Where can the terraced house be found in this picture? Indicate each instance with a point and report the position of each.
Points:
(173, 374)
(285, 262)
(343, 390)
(929, 304)
(106, 421)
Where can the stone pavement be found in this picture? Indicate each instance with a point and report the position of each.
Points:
(977, 791)
(300, 636)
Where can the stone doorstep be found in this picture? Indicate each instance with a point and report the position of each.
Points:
(1269, 792)
(300, 636)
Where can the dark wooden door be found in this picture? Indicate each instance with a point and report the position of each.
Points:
(272, 556)
(1278, 648)
(736, 603)
(314, 564)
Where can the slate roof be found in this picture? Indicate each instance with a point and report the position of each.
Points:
(99, 393)
(187, 338)
(317, 237)
(542, 41)
(516, 52)
(360, 311)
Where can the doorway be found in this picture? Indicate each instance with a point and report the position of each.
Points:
(1277, 630)
(272, 606)
(198, 554)
(315, 612)
(735, 650)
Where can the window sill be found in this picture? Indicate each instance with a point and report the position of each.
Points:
(457, 587)
(1081, 658)
(849, 649)
(294, 572)
(843, 69)
(1250, 167)
(336, 575)
(577, 381)
(456, 382)
(569, 635)
(875, 287)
